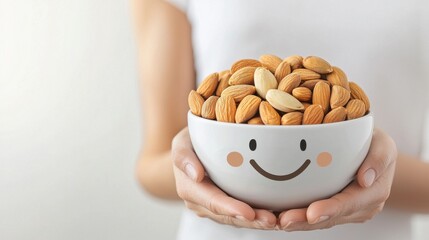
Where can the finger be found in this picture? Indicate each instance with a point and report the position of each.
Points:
(237, 222)
(266, 218)
(353, 204)
(381, 155)
(215, 200)
(292, 216)
(184, 156)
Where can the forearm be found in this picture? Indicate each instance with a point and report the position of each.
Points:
(167, 76)
(155, 175)
(410, 189)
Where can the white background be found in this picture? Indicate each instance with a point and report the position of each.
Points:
(70, 125)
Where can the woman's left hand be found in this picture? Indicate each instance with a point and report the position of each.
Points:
(359, 201)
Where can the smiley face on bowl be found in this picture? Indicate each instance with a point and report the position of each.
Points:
(281, 167)
(235, 159)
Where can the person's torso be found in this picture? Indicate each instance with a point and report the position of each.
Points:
(378, 44)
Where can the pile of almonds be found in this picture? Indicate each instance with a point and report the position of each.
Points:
(273, 91)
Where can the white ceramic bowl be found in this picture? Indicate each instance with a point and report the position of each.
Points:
(281, 167)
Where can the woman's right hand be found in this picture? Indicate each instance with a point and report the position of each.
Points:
(205, 198)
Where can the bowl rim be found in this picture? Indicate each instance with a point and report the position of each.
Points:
(244, 125)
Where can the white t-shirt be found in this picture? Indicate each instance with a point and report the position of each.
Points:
(381, 45)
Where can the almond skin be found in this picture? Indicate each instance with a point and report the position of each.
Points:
(313, 115)
(282, 71)
(303, 94)
(283, 101)
(292, 118)
(264, 81)
(195, 102)
(247, 108)
(223, 82)
(242, 76)
(317, 64)
(288, 83)
(245, 63)
(335, 115)
(339, 96)
(311, 83)
(322, 95)
(255, 121)
(209, 108)
(208, 85)
(271, 62)
(238, 92)
(223, 73)
(294, 61)
(268, 114)
(225, 109)
(358, 93)
(306, 105)
(355, 109)
(306, 74)
(338, 77)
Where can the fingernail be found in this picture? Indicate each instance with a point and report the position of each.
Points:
(288, 224)
(320, 219)
(190, 171)
(241, 218)
(369, 177)
(263, 223)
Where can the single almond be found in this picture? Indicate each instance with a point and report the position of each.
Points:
(247, 108)
(195, 102)
(356, 108)
(270, 61)
(242, 76)
(225, 109)
(255, 121)
(268, 114)
(292, 118)
(223, 82)
(209, 108)
(339, 96)
(223, 73)
(311, 83)
(358, 93)
(322, 95)
(303, 94)
(338, 77)
(335, 115)
(317, 64)
(306, 74)
(283, 101)
(288, 83)
(282, 71)
(294, 61)
(245, 63)
(264, 81)
(313, 115)
(208, 85)
(238, 92)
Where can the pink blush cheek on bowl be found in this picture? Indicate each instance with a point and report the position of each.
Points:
(235, 159)
(324, 159)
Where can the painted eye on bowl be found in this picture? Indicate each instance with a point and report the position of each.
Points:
(303, 145)
(252, 144)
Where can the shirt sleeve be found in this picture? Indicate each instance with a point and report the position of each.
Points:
(180, 4)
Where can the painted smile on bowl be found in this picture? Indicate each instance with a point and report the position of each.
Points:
(279, 177)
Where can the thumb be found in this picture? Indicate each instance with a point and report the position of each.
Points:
(381, 155)
(184, 157)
